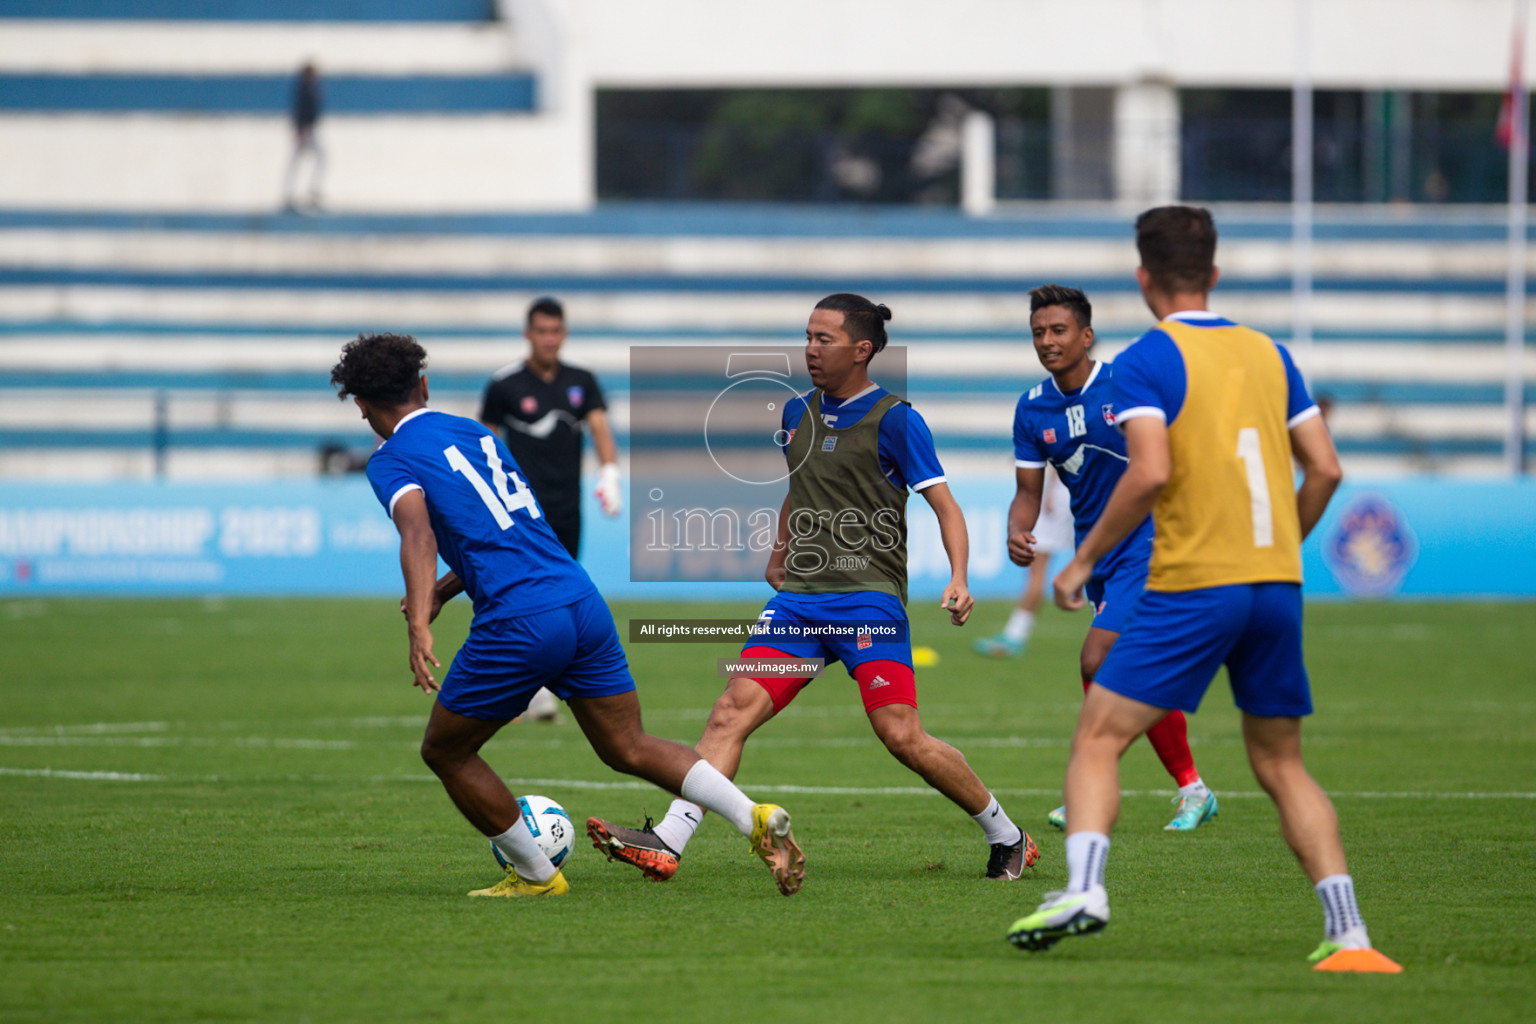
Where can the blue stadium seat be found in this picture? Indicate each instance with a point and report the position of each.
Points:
(253, 10)
(266, 94)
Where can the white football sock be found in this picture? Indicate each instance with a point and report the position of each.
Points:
(678, 826)
(1086, 853)
(714, 792)
(994, 821)
(1341, 917)
(1020, 625)
(1197, 788)
(523, 852)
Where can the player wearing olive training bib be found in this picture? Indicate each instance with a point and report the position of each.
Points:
(840, 569)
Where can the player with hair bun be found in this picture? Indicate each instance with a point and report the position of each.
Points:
(840, 569)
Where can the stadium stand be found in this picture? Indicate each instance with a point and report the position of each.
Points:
(426, 105)
(267, 94)
(189, 330)
(208, 337)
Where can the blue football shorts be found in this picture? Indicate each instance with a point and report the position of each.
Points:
(1114, 595)
(851, 628)
(573, 650)
(1171, 650)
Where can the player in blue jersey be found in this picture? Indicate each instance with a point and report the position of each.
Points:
(1053, 535)
(840, 569)
(1068, 420)
(454, 490)
(1215, 415)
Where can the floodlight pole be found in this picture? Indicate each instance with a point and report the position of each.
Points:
(1301, 194)
(1514, 283)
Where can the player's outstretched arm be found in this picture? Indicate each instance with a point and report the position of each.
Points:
(1146, 445)
(418, 564)
(957, 598)
(1321, 473)
(1024, 512)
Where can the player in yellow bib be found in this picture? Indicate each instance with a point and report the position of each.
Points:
(1213, 415)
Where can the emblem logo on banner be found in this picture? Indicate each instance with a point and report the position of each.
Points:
(1371, 548)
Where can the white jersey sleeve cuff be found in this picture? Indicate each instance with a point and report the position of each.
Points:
(925, 484)
(1121, 415)
(1302, 417)
(1026, 464)
(400, 494)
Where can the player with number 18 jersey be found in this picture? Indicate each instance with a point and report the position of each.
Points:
(1069, 420)
(1076, 433)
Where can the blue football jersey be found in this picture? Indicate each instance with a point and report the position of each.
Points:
(1076, 433)
(490, 529)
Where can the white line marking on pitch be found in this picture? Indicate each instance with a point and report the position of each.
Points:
(176, 741)
(515, 783)
(525, 785)
(50, 773)
(89, 729)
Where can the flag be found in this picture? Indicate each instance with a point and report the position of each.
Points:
(1504, 131)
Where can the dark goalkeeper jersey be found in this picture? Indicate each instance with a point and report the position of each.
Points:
(540, 421)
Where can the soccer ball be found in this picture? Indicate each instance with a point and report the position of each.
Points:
(551, 828)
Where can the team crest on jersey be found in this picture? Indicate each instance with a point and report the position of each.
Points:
(1049, 435)
(1372, 547)
(574, 394)
(530, 405)
(865, 641)
(1109, 414)
(829, 442)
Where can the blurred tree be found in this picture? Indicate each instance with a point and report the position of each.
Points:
(888, 145)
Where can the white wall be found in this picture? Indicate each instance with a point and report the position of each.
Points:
(1427, 44)
(190, 47)
(237, 163)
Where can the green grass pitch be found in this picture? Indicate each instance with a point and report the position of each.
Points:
(214, 810)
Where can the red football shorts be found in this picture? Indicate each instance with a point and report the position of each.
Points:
(880, 682)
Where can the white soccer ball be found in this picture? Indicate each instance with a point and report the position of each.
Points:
(551, 828)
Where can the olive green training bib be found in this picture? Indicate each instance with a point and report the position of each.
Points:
(847, 521)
